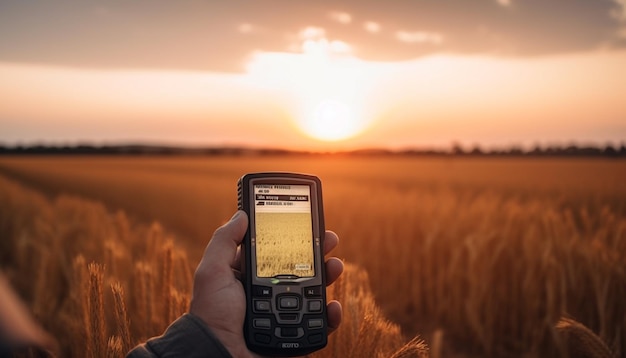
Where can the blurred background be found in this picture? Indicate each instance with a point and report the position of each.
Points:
(313, 75)
(471, 154)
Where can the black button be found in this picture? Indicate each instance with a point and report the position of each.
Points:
(262, 338)
(315, 338)
(316, 323)
(263, 323)
(315, 306)
(288, 316)
(288, 302)
(289, 332)
(262, 291)
(313, 291)
(262, 306)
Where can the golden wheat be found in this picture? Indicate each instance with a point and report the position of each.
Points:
(278, 249)
(97, 346)
(121, 317)
(109, 330)
(487, 254)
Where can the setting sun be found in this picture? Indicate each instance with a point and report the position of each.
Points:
(331, 120)
(326, 86)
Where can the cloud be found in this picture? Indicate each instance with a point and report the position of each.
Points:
(207, 35)
(621, 12)
(419, 37)
(245, 28)
(341, 17)
(312, 33)
(371, 26)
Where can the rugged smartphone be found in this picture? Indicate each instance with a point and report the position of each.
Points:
(283, 263)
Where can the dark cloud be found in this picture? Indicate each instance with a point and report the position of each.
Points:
(207, 35)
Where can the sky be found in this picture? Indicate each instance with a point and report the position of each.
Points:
(313, 75)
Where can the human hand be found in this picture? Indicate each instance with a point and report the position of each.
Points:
(18, 329)
(218, 296)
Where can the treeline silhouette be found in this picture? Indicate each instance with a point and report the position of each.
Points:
(455, 150)
(87, 149)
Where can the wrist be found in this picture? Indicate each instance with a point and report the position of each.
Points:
(232, 341)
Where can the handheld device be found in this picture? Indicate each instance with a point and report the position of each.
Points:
(283, 263)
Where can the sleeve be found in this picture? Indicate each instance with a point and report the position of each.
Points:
(188, 336)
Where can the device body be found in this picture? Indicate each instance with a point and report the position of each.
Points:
(283, 263)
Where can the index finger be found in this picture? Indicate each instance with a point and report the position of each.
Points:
(330, 241)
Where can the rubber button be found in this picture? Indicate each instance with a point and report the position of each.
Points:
(262, 306)
(316, 323)
(289, 332)
(315, 338)
(263, 323)
(288, 316)
(288, 302)
(315, 306)
(262, 291)
(313, 291)
(262, 338)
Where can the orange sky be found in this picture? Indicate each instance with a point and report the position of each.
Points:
(315, 81)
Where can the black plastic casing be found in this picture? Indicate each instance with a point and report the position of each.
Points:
(291, 332)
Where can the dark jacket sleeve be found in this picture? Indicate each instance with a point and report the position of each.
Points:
(188, 336)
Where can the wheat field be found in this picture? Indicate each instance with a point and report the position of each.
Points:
(477, 256)
(279, 250)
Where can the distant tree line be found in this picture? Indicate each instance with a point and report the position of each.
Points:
(609, 151)
(86, 149)
(570, 150)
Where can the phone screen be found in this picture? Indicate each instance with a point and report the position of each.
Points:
(284, 231)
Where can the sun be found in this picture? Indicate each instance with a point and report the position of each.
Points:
(331, 120)
(325, 86)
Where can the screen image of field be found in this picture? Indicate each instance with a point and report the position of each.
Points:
(284, 244)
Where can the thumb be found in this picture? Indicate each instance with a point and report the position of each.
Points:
(223, 246)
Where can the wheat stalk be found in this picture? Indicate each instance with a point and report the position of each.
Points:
(115, 347)
(97, 347)
(416, 347)
(166, 282)
(121, 316)
(80, 302)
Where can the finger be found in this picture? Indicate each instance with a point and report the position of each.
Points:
(236, 266)
(222, 248)
(334, 311)
(237, 262)
(334, 268)
(330, 241)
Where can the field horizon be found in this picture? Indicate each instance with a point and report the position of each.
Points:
(573, 148)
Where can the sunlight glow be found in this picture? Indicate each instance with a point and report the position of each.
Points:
(331, 120)
(326, 85)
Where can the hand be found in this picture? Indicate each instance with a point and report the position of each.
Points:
(218, 296)
(17, 327)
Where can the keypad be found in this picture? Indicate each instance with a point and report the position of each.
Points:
(279, 320)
